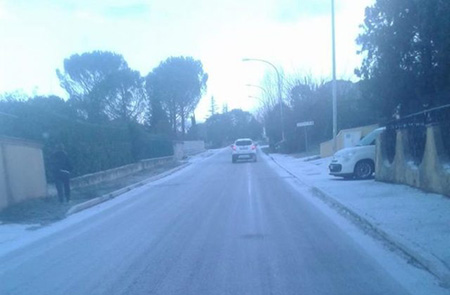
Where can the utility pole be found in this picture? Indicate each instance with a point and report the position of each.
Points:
(334, 91)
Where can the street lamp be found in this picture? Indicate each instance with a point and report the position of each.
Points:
(256, 86)
(279, 89)
(262, 88)
(261, 101)
(255, 97)
(333, 45)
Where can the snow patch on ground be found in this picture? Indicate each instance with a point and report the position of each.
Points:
(15, 236)
(416, 217)
(446, 167)
(415, 280)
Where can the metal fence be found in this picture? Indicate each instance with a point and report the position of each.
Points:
(415, 126)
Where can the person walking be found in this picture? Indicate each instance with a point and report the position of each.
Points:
(61, 168)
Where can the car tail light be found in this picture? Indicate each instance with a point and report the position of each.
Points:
(253, 147)
(233, 147)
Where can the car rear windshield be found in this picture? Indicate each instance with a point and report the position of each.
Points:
(243, 142)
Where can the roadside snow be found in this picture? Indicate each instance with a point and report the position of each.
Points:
(15, 236)
(203, 155)
(413, 216)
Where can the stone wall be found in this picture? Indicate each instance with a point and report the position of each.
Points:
(395, 162)
(327, 147)
(116, 173)
(192, 147)
(183, 149)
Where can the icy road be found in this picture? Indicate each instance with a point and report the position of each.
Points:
(211, 228)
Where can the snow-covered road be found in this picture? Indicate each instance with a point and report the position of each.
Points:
(211, 228)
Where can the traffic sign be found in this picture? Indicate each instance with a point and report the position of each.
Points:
(307, 123)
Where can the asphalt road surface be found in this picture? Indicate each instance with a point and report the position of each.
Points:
(213, 228)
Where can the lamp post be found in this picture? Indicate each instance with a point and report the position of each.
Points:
(255, 97)
(262, 88)
(279, 89)
(256, 86)
(261, 101)
(334, 92)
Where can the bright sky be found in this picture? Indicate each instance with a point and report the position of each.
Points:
(295, 35)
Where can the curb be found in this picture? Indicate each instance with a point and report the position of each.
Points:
(430, 262)
(116, 193)
(427, 260)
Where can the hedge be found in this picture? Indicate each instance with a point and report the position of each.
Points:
(91, 147)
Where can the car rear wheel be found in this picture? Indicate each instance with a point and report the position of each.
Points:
(364, 169)
(233, 159)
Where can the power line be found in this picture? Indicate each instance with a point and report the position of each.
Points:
(8, 115)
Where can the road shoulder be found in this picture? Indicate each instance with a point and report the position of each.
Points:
(413, 221)
(14, 235)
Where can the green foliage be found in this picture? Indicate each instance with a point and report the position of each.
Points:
(272, 123)
(213, 106)
(177, 84)
(217, 127)
(83, 79)
(193, 133)
(13, 96)
(33, 118)
(101, 123)
(145, 145)
(124, 95)
(157, 118)
(407, 62)
(313, 102)
(91, 147)
(222, 129)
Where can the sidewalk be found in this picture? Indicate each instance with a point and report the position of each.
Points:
(44, 216)
(416, 222)
(43, 211)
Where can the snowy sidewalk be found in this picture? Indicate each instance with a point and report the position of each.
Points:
(13, 236)
(415, 221)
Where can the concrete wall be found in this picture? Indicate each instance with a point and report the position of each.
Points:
(116, 173)
(193, 147)
(326, 149)
(4, 191)
(184, 149)
(178, 152)
(22, 171)
(345, 138)
(181, 150)
(432, 174)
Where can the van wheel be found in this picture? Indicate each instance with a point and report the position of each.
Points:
(364, 169)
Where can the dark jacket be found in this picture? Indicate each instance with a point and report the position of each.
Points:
(60, 164)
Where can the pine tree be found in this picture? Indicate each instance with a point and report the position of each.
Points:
(213, 107)
(224, 108)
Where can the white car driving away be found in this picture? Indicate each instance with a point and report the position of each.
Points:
(358, 161)
(243, 148)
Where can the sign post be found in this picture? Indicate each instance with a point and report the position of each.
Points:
(306, 124)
